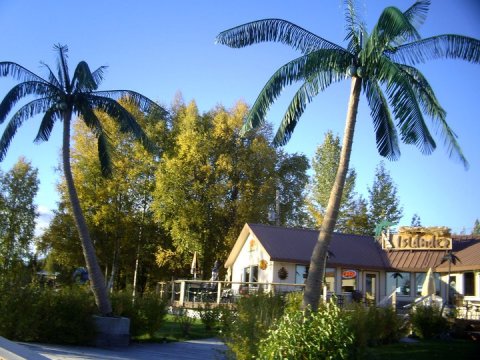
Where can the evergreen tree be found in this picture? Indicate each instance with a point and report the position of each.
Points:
(384, 202)
(476, 228)
(416, 221)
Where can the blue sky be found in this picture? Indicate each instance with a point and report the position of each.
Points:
(160, 48)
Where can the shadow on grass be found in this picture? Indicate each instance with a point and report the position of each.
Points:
(432, 349)
(171, 331)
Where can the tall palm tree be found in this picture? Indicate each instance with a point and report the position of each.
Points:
(380, 65)
(59, 97)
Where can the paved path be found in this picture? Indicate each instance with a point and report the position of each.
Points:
(187, 350)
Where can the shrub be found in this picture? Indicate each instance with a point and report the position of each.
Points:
(254, 316)
(322, 334)
(427, 321)
(46, 315)
(372, 326)
(209, 316)
(184, 321)
(146, 314)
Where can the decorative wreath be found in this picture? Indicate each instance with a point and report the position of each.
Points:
(263, 264)
(282, 273)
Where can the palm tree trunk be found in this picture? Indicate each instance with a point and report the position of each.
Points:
(313, 285)
(97, 281)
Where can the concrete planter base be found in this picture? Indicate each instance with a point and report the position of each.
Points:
(112, 331)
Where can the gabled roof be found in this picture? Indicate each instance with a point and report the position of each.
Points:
(355, 251)
(296, 245)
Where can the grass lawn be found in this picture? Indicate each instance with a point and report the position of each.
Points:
(433, 349)
(171, 330)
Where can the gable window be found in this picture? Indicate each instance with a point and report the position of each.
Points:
(469, 283)
(250, 274)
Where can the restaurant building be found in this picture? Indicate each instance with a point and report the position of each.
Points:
(372, 268)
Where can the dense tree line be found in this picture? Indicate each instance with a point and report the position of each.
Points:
(195, 194)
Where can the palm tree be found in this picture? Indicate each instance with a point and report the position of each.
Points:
(59, 97)
(380, 65)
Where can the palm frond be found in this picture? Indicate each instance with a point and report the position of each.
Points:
(417, 13)
(392, 28)
(98, 74)
(52, 79)
(20, 91)
(126, 121)
(304, 95)
(63, 75)
(46, 126)
(406, 110)
(83, 79)
(104, 150)
(274, 30)
(298, 69)
(385, 131)
(448, 46)
(18, 72)
(431, 106)
(355, 28)
(140, 101)
(27, 111)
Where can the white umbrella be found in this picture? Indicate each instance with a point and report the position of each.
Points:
(428, 287)
(193, 268)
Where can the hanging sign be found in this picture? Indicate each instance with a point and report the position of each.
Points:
(349, 274)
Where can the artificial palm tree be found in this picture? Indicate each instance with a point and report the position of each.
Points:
(380, 65)
(59, 97)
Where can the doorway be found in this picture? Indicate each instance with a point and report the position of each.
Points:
(371, 288)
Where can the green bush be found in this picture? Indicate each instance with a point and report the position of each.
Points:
(427, 321)
(254, 316)
(184, 321)
(322, 334)
(209, 316)
(32, 313)
(372, 326)
(146, 314)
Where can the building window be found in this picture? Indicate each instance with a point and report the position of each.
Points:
(349, 280)
(250, 274)
(420, 279)
(330, 279)
(469, 284)
(301, 273)
(399, 281)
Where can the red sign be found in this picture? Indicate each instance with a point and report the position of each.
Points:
(349, 274)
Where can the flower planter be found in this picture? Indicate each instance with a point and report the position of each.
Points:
(111, 331)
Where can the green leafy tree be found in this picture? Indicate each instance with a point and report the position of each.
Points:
(59, 97)
(381, 65)
(359, 221)
(325, 165)
(384, 201)
(18, 188)
(292, 179)
(207, 183)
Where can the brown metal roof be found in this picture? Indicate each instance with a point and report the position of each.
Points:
(296, 245)
(467, 249)
(356, 251)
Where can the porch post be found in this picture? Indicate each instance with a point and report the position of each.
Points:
(182, 292)
(219, 292)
